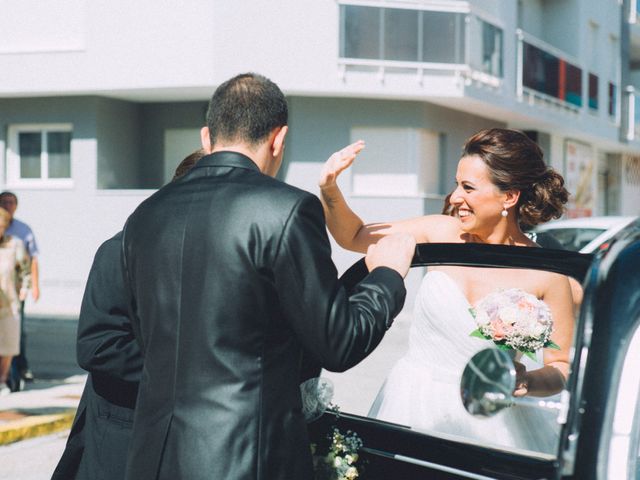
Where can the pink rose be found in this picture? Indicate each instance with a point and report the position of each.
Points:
(498, 330)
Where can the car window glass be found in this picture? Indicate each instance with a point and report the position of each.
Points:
(413, 378)
(573, 238)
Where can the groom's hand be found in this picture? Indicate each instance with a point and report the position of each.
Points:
(394, 251)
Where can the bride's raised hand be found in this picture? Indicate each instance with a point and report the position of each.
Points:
(339, 161)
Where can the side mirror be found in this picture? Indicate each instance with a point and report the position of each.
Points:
(488, 382)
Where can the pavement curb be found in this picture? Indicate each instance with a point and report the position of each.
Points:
(35, 426)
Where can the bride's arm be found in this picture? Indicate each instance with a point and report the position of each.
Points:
(347, 227)
(551, 378)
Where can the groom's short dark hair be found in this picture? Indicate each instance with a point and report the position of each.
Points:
(246, 109)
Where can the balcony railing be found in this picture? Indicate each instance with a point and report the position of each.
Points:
(546, 74)
(386, 40)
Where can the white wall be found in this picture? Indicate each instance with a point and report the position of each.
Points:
(161, 51)
(158, 50)
(69, 227)
(119, 131)
(105, 45)
(320, 126)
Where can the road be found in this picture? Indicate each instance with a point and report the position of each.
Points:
(51, 353)
(32, 459)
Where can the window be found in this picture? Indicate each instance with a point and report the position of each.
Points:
(574, 238)
(39, 155)
(612, 100)
(573, 87)
(485, 51)
(361, 32)
(443, 40)
(491, 49)
(548, 74)
(413, 377)
(593, 91)
(398, 34)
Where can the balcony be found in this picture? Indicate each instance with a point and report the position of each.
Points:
(549, 77)
(420, 41)
(545, 75)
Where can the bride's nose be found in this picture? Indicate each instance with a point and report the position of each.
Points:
(455, 198)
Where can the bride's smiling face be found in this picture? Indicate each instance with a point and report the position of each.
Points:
(477, 201)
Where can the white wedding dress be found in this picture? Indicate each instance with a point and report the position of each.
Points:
(422, 390)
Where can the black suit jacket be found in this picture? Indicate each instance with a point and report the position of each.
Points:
(98, 443)
(231, 277)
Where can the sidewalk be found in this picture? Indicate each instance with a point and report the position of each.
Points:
(44, 408)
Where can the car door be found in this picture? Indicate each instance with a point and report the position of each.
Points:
(602, 435)
(409, 449)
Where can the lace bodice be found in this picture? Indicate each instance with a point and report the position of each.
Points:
(441, 326)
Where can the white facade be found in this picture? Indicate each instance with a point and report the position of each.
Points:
(129, 81)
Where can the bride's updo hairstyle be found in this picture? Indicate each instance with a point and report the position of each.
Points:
(515, 162)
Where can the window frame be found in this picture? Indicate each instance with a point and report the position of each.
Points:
(13, 178)
(418, 9)
(396, 450)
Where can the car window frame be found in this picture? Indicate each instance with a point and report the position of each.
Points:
(477, 458)
(608, 323)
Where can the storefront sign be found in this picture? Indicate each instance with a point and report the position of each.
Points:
(580, 178)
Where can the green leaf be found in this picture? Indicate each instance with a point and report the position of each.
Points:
(502, 346)
(472, 311)
(531, 355)
(553, 345)
(478, 333)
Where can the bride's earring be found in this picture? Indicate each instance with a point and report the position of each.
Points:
(504, 212)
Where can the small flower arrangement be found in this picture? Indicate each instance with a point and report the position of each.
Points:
(514, 320)
(339, 463)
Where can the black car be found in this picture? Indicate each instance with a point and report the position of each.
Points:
(598, 413)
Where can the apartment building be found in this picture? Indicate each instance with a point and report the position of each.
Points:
(100, 100)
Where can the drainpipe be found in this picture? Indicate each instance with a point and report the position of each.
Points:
(627, 90)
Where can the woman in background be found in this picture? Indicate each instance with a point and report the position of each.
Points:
(14, 284)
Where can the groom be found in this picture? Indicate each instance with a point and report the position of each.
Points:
(231, 277)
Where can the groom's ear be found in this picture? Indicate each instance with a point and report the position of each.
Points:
(277, 144)
(205, 139)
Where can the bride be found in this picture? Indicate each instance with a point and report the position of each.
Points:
(502, 182)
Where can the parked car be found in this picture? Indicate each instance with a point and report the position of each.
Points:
(598, 413)
(585, 235)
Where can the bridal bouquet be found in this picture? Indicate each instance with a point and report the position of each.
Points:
(340, 462)
(514, 320)
(337, 457)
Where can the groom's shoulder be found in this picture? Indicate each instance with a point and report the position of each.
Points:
(279, 191)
